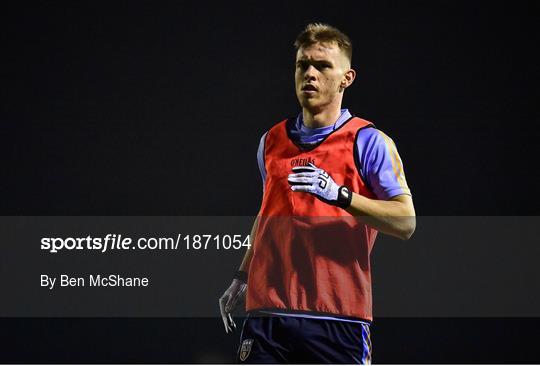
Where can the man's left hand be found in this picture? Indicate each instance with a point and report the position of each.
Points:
(318, 182)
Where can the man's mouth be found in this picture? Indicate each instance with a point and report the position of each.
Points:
(309, 87)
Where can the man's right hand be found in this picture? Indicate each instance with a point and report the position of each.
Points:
(228, 302)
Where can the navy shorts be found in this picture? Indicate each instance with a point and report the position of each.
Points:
(293, 339)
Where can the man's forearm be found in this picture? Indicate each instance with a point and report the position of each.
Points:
(394, 217)
(249, 252)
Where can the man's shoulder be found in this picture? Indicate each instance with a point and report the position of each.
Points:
(281, 122)
(372, 142)
(369, 130)
(280, 125)
(274, 128)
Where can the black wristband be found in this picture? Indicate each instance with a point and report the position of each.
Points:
(241, 276)
(344, 198)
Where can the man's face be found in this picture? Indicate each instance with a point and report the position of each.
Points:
(322, 72)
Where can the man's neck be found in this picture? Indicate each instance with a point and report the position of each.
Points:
(322, 118)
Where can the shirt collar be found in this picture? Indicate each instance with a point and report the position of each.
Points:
(345, 115)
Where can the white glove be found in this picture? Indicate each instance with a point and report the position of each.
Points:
(316, 181)
(228, 302)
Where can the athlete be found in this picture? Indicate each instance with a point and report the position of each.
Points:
(331, 182)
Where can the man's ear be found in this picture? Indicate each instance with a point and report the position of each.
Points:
(348, 78)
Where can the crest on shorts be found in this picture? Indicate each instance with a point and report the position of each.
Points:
(245, 349)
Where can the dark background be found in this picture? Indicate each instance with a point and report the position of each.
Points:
(156, 108)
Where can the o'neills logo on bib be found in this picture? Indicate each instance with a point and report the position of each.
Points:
(302, 161)
(245, 349)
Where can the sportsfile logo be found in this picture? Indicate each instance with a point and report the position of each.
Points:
(302, 161)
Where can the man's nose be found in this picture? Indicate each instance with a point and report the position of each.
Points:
(309, 74)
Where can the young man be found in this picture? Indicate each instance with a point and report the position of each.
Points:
(331, 182)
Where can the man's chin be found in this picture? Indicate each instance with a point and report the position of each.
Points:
(309, 103)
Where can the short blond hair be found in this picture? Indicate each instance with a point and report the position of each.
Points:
(323, 33)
